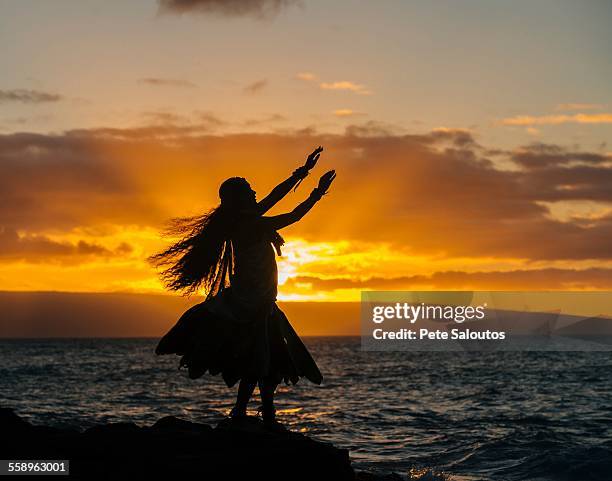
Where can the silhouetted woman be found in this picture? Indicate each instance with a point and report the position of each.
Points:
(238, 330)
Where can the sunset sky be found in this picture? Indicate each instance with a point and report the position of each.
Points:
(472, 139)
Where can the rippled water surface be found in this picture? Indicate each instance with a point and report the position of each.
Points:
(429, 416)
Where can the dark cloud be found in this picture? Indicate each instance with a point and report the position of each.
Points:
(594, 278)
(431, 194)
(555, 173)
(372, 128)
(60, 181)
(541, 156)
(28, 96)
(256, 87)
(227, 8)
(40, 248)
(167, 82)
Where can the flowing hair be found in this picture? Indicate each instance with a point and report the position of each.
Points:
(203, 255)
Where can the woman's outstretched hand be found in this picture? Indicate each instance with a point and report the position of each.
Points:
(325, 181)
(311, 161)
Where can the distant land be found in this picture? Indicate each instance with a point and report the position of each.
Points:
(587, 328)
(62, 314)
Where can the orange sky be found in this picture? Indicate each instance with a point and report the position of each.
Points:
(462, 163)
(83, 209)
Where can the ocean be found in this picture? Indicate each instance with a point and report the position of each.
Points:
(425, 415)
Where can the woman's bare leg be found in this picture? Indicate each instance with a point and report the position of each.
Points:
(267, 387)
(245, 391)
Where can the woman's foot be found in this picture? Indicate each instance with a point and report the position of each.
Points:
(270, 422)
(238, 413)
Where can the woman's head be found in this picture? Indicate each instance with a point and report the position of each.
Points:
(203, 257)
(237, 194)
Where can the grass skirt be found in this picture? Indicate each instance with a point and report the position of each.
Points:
(224, 337)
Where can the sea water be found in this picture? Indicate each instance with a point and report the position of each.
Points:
(424, 415)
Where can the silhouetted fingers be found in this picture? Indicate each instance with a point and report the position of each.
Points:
(316, 151)
(326, 180)
(311, 161)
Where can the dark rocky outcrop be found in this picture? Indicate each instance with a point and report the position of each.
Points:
(175, 449)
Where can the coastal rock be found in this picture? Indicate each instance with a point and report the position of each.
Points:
(173, 448)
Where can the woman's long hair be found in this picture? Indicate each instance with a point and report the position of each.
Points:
(201, 258)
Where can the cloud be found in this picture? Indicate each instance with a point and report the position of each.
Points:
(164, 118)
(28, 96)
(539, 155)
(552, 278)
(306, 76)
(39, 248)
(345, 85)
(228, 8)
(70, 180)
(459, 137)
(342, 85)
(432, 194)
(528, 120)
(268, 119)
(209, 119)
(347, 113)
(373, 128)
(256, 87)
(167, 82)
(169, 123)
(571, 107)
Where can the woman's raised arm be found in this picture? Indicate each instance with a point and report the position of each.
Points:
(277, 222)
(282, 189)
